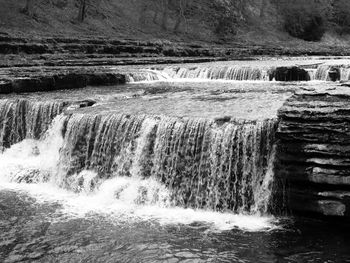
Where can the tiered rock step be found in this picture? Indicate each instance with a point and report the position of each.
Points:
(45, 51)
(18, 80)
(314, 151)
(77, 51)
(15, 45)
(82, 59)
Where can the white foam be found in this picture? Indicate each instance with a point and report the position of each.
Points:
(120, 199)
(198, 80)
(31, 155)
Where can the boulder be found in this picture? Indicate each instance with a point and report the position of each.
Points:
(290, 74)
(334, 74)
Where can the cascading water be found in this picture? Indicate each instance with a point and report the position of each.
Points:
(146, 75)
(312, 73)
(218, 73)
(210, 166)
(322, 72)
(31, 160)
(239, 73)
(235, 73)
(194, 163)
(157, 171)
(21, 119)
(345, 74)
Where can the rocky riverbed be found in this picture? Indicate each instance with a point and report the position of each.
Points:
(313, 138)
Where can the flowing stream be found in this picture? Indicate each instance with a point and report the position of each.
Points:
(157, 171)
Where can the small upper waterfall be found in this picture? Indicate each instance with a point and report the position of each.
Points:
(345, 74)
(145, 75)
(324, 73)
(312, 73)
(218, 73)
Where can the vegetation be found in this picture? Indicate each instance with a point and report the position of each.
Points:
(303, 25)
(29, 8)
(304, 19)
(206, 19)
(227, 15)
(82, 10)
(341, 16)
(310, 19)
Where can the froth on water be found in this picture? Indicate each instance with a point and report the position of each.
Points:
(40, 166)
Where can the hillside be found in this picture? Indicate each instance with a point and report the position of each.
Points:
(204, 21)
(117, 18)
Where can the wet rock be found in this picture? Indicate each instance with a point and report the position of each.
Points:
(64, 249)
(5, 87)
(100, 79)
(33, 84)
(334, 74)
(87, 103)
(15, 258)
(35, 255)
(48, 83)
(53, 80)
(336, 194)
(331, 208)
(223, 120)
(31, 176)
(70, 81)
(314, 151)
(81, 104)
(313, 206)
(31, 48)
(346, 84)
(290, 74)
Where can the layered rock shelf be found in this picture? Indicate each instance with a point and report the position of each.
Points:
(50, 51)
(314, 151)
(49, 79)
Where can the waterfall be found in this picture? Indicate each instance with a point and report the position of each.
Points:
(186, 162)
(203, 164)
(210, 166)
(240, 73)
(312, 73)
(323, 72)
(218, 73)
(21, 118)
(103, 143)
(145, 75)
(34, 161)
(345, 74)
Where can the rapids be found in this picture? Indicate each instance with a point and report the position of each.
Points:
(315, 69)
(175, 166)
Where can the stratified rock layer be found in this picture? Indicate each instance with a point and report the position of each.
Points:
(49, 79)
(314, 151)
